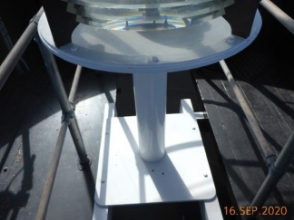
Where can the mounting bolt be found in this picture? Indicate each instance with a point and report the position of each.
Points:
(73, 48)
(205, 115)
(154, 59)
(205, 175)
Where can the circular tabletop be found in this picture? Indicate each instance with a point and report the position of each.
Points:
(150, 52)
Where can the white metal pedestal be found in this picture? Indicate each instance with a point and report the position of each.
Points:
(150, 101)
(124, 178)
(182, 175)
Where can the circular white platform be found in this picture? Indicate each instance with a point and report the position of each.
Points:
(150, 52)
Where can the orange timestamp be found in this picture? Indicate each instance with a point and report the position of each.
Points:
(253, 210)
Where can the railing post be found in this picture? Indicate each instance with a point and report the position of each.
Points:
(15, 54)
(281, 16)
(276, 171)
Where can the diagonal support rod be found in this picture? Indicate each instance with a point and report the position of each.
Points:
(66, 122)
(15, 54)
(280, 15)
(52, 172)
(276, 171)
(66, 107)
(57, 152)
(277, 165)
(257, 132)
(269, 155)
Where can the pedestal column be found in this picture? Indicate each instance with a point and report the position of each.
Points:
(150, 102)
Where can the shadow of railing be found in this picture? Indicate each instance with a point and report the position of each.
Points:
(10, 202)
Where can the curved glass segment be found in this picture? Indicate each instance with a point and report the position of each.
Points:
(142, 15)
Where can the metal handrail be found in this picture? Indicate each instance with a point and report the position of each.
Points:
(280, 15)
(69, 121)
(276, 172)
(9, 45)
(279, 167)
(15, 54)
(268, 153)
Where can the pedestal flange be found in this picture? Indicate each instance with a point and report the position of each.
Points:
(124, 178)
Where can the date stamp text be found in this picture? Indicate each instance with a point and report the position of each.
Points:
(253, 210)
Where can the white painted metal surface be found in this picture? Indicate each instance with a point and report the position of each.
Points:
(101, 213)
(150, 102)
(210, 209)
(124, 178)
(149, 52)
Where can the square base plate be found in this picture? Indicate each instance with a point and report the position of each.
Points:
(124, 178)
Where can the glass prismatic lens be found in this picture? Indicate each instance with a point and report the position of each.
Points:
(142, 15)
